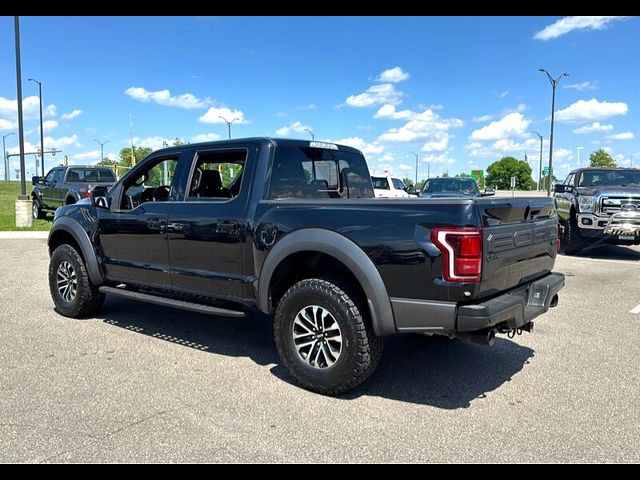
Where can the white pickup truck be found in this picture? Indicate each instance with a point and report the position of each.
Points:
(389, 187)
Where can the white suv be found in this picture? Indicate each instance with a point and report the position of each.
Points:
(389, 187)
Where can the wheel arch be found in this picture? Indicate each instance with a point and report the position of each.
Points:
(65, 230)
(341, 249)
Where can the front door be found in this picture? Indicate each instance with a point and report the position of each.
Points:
(50, 190)
(206, 232)
(133, 233)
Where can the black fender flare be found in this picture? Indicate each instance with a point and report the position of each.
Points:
(342, 249)
(72, 194)
(73, 228)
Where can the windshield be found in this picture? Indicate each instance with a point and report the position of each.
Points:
(380, 183)
(593, 178)
(451, 185)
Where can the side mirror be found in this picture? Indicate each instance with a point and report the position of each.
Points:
(410, 189)
(559, 188)
(37, 180)
(99, 198)
(488, 192)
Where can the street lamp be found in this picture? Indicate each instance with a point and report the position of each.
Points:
(41, 126)
(579, 148)
(228, 122)
(102, 144)
(554, 83)
(313, 137)
(539, 163)
(413, 153)
(4, 157)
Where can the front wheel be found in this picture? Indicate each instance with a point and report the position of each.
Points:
(571, 240)
(71, 289)
(36, 211)
(323, 338)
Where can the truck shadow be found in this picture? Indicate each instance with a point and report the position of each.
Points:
(610, 252)
(439, 372)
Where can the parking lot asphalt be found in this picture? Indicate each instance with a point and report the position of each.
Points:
(142, 383)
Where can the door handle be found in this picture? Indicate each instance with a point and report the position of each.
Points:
(230, 227)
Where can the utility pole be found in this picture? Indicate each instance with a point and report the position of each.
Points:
(579, 148)
(229, 122)
(133, 152)
(554, 83)
(540, 163)
(416, 155)
(102, 144)
(313, 137)
(41, 121)
(5, 159)
(23, 203)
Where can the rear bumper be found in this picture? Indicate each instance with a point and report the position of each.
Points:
(510, 310)
(513, 309)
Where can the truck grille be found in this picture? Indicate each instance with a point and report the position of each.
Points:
(611, 205)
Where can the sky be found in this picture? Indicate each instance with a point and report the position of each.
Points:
(457, 92)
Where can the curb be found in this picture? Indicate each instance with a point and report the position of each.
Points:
(23, 235)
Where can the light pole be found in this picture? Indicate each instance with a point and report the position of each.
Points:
(41, 126)
(416, 184)
(554, 83)
(228, 122)
(579, 148)
(539, 163)
(102, 144)
(313, 137)
(4, 157)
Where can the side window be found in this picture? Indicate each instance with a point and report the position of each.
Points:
(50, 176)
(57, 176)
(398, 184)
(152, 184)
(570, 180)
(380, 183)
(217, 175)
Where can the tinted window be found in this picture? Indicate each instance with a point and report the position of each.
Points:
(380, 183)
(398, 184)
(217, 175)
(569, 180)
(305, 172)
(152, 184)
(451, 185)
(57, 175)
(88, 175)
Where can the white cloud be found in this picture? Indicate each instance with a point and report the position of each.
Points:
(482, 119)
(49, 125)
(155, 142)
(6, 124)
(594, 127)
(205, 137)
(61, 142)
(589, 110)
(437, 145)
(308, 106)
(93, 155)
(562, 154)
(389, 111)
(72, 114)
(393, 75)
(30, 108)
(621, 136)
(406, 168)
(441, 158)
(582, 86)
(511, 124)
(503, 94)
(427, 125)
(569, 24)
(214, 113)
(376, 95)
(164, 97)
(373, 148)
(295, 127)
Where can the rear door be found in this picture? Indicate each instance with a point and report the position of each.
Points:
(519, 241)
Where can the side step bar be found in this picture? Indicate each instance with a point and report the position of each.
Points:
(170, 302)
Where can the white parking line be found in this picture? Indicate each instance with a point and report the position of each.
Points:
(635, 310)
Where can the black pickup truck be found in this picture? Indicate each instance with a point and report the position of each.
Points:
(291, 228)
(67, 185)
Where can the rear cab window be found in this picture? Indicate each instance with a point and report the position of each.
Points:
(380, 183)
(88, 175)
(308, 172)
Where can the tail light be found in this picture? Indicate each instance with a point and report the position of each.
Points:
(87, 194)
(461, 253)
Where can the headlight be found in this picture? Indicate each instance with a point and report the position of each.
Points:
(586, 203)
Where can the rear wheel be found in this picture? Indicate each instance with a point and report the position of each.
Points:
(571, 240)
(323, 338)
(71, 289)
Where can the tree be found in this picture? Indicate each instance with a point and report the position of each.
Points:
(499, 174)
(125, 155)
(177, 142)
(601, 158)
(462, 175)
(407, 181)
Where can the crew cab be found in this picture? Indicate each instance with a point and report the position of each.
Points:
(389, 187)
(67, 185)
(599, 205)
(291, 228)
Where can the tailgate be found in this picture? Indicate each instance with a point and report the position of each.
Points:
(519, 242)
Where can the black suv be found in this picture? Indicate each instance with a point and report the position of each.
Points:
(67, 185)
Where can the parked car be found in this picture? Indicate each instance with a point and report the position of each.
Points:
(291, 228)
(67, 185)
(599, 205)
(453, 187)
(389, 187)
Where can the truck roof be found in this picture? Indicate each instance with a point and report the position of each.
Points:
(286, 142)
